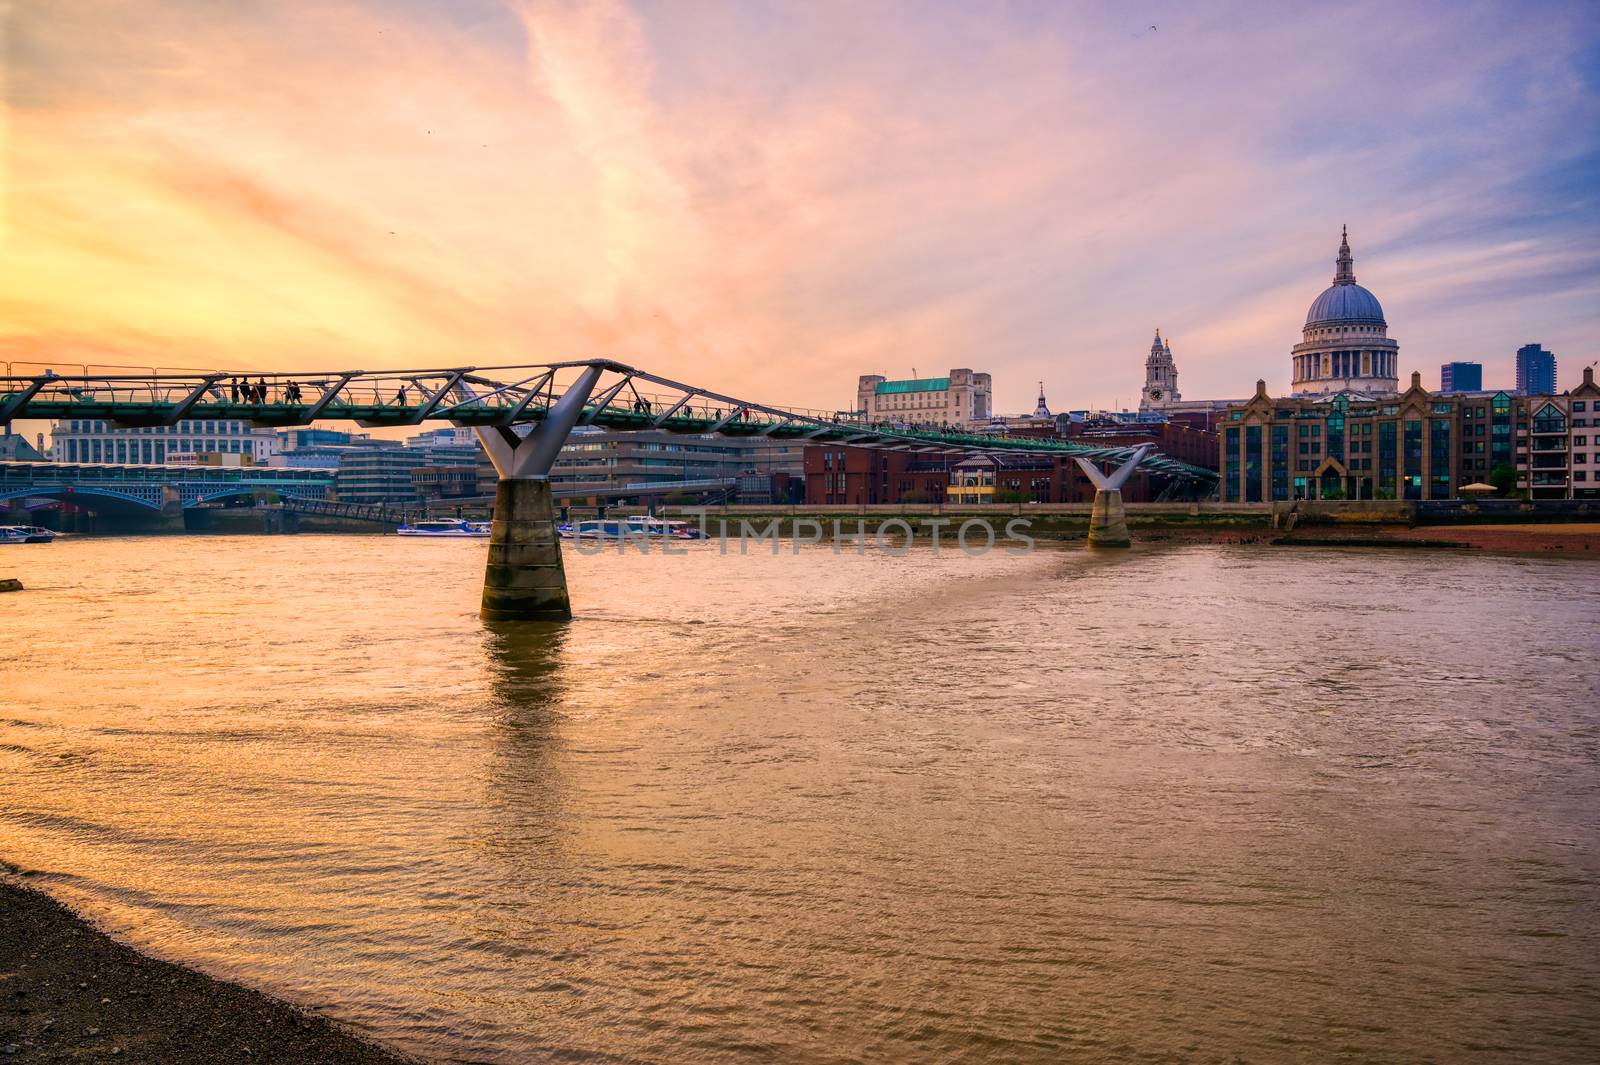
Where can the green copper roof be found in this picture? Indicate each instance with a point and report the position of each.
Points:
(924, 384)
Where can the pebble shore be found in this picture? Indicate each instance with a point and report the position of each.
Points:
(70, 993)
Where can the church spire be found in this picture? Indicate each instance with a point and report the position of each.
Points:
(1042, 410)
(1346, 272)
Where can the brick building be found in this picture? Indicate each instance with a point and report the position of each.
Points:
(851, 476)
(1180, 440)
(864, 475)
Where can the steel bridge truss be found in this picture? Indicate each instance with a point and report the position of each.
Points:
(529, 409)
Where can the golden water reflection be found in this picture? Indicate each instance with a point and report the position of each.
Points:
(1180, 805)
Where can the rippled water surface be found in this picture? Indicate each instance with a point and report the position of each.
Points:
(1199, 804)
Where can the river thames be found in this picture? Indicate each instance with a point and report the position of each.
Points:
(1191, 804)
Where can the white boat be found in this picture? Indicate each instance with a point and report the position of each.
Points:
(630, 528)
(446, 528)
(25, 534)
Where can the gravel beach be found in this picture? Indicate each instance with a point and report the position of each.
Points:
(70, 993)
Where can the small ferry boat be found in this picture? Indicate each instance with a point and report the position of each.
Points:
(448, 528)
(25, 534)
(630, 528)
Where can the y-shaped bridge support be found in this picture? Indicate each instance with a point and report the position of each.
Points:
(1108, 522)
(524, 579)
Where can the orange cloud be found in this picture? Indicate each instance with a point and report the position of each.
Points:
(768, 199)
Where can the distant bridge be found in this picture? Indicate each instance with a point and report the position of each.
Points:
(149, 487)
(522, 415)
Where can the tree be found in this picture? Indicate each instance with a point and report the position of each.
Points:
(1504, 479)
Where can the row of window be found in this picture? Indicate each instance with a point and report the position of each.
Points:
(201, 426)
(143, 451)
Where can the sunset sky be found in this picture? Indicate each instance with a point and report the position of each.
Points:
(772, 198)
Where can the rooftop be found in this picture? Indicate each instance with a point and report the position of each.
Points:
(921, 384)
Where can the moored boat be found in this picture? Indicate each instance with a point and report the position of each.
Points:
(446, 528)
(638, 527)
(25, 534)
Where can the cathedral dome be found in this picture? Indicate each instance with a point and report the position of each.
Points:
(1345, 302)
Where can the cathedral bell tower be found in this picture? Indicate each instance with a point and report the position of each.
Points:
(1160, 377)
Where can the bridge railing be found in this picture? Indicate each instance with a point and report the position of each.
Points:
(623, 398)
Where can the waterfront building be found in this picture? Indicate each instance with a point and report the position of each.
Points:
(1488, 426)
(839, 475)
(852, 476)
(1536, 370)
(1558, 455)
(389, 474)
(1346, 445)
(1414, 445)
(431, 483)
(960, 399)
(605, 460)
(986, 478)
(93, 440)
(756, 487)
(1461, 377)
(1345, 346)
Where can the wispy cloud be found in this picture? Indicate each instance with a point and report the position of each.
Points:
(776, 197)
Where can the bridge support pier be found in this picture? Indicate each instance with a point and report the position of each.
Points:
(524, 579)
(173, 518)
(1108, 521)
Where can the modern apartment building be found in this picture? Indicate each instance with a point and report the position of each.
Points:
(1558, 451)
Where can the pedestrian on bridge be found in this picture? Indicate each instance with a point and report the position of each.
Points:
(233, 389)
(400, 396)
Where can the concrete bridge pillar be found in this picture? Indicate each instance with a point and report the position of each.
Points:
(1108, 521)
(173, 518)
(524, 579)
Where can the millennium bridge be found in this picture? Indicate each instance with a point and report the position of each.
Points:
(523, 415)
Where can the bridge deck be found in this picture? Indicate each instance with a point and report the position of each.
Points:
(409, 398)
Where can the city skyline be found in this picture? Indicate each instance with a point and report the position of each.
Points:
(913, 186)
